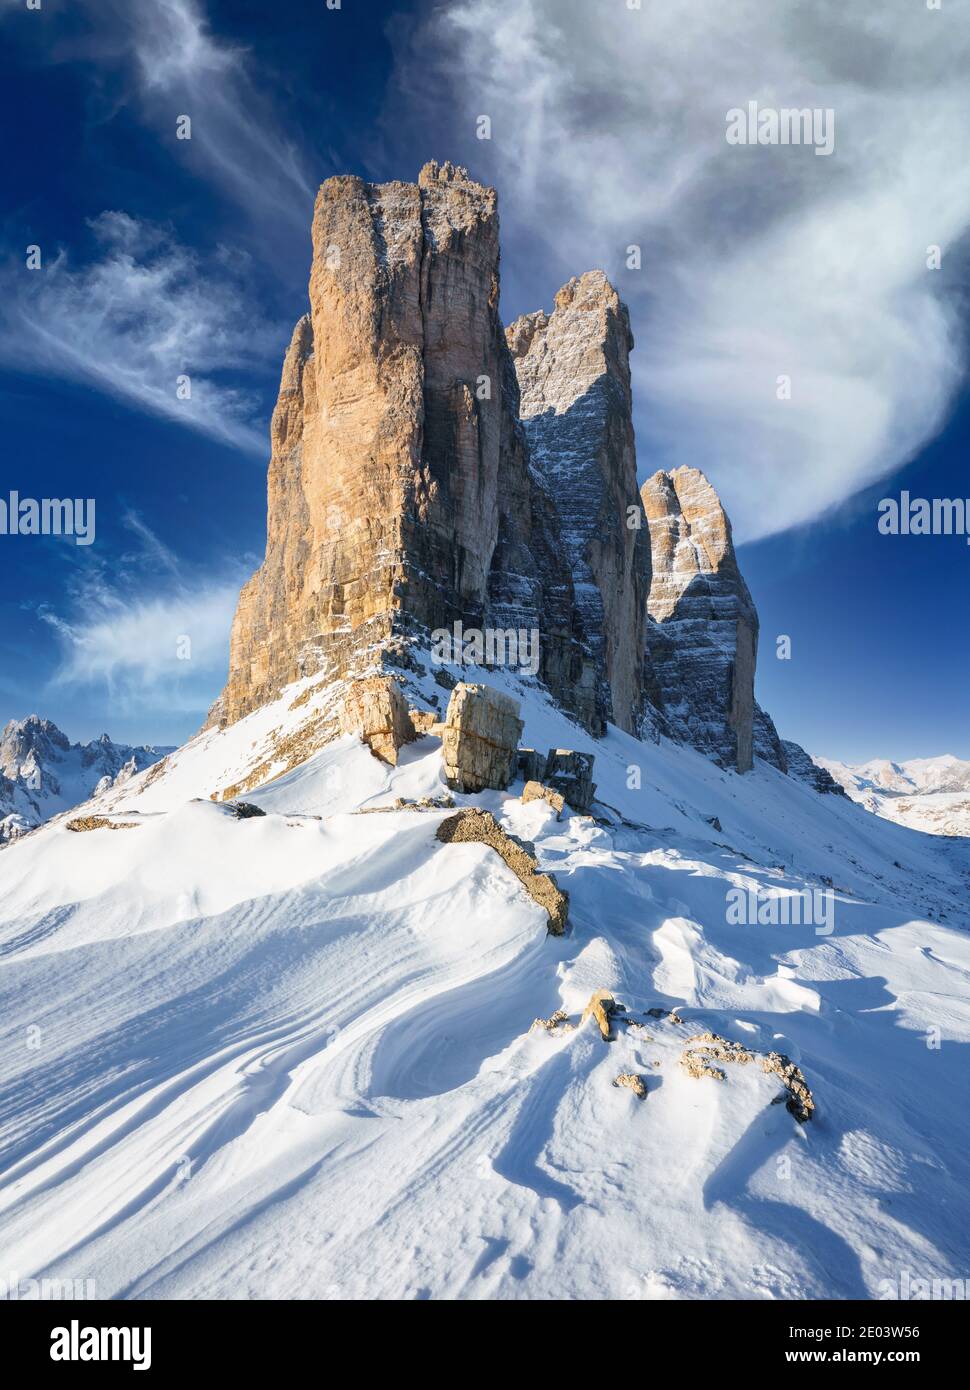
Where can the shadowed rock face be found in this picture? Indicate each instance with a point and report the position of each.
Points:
(703, 633)
(574, 377)
(400, 496)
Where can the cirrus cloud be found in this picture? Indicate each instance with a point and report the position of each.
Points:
(608, 130)
(137, 319)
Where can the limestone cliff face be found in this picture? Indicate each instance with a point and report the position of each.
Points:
(576, 405)
(400, 496)
(703, 633)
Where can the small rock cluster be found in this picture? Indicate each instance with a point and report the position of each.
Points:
(99, 823)
(635, 1083)
(244, 810)
(800, 1102)
(425, 721)
(603, 1008)
(479, 741)
(561, 773)
(703, 1050)
(560, 1019)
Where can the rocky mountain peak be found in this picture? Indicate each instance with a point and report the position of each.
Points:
(43, 773)
(703, 636)
(433, 172)
(430, 469)
(576, 406)
(400, 495)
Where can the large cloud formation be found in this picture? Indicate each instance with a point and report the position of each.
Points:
(758, 262)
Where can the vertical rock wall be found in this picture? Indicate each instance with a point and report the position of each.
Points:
(576, 405)
(400, 496)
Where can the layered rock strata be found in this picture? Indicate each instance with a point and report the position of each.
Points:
(703, 632)
(573, 374)
(375, 709)
(480, 738)
(571, 774)
(400, 494)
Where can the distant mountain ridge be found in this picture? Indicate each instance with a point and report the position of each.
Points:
(931, 794)
(42, 773)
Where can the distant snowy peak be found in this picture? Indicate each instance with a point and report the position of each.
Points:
(941, 774)
(42, 773)
(931, 794)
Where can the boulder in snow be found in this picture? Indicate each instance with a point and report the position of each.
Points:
(602, 1006)
(480, 738)
(535, 791)
(571, 774)
(375, 709)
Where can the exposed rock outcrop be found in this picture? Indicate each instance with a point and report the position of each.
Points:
(530, 764)
(375, 709)
(245, 810)
(83, 823)
(766, 742)
(571, 774)
(632, 1082)
(400, 494)
(800, 765)
(576, 405)
(480, 738)
(800, 1102)
(560, 1019)
(535, 791)
(705, 1049)
(601, 1007)
(423, 720)
(472, 826)
(703, 634)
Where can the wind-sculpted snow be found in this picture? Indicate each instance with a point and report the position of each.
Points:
(289, 1055)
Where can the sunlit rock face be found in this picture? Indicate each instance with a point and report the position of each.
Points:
(703, 630)
(573, 369)
(400, 494)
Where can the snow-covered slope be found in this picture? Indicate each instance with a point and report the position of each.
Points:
(42, 773)
(931, 794)
(289, 1055)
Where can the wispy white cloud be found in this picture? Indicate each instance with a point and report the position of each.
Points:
(140, 315)
(180, 67)
(608, 129)
(152, 634)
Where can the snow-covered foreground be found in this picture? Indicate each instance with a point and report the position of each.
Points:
(289, 1056)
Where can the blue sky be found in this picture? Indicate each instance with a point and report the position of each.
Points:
(164, 257)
